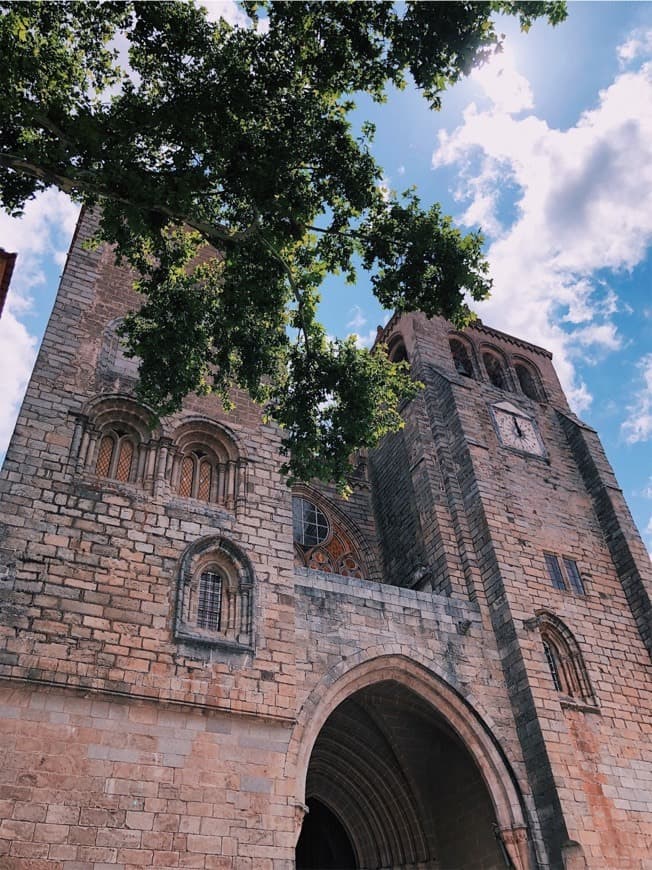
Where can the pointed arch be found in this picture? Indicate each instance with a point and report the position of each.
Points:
(334, 543)
(460, 715)
(565, 660)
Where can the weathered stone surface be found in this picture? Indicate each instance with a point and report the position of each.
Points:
(127, 742)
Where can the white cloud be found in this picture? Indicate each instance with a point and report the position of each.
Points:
(507, 89)
(43, 233)
(638, 45)
(358, 319)
(384, 188)
(638, 424)
(229, 10)
(602, 335)
(367, 339)
(17, 355)
(582, 204)
(233, 13)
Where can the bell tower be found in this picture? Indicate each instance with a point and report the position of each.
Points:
(509, 501)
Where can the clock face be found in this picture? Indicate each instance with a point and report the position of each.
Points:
(518, 432)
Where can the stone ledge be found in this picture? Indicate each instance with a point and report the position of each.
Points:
(337, 584)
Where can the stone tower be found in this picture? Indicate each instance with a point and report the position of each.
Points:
(201, 669)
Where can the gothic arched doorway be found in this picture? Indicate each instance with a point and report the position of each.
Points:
(390, 784)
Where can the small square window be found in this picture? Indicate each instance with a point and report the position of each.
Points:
(574, 576)
(554, 571)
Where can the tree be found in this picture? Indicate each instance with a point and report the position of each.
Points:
(239, 139)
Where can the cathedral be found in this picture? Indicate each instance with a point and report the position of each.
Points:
(199, 668)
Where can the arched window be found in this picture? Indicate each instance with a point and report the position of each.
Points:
(209, 608)
(529, 381)
(461, 358)
(565, 661)
(115, 456)
(196, 478)
(496, 371)
(396, 349)
(215, 596)
(114, 439)
(322, 544)
(207, 464)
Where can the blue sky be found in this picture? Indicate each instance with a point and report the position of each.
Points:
(549, 150)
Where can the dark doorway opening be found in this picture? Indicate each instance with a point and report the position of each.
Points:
(323, 844)
(390, 784)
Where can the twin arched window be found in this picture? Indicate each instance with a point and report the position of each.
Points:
(565, 661)
(206, 464)
(114, 439)
(115, 456)
(196, 476)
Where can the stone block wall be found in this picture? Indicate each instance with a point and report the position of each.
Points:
(128, 741)
(589, 764)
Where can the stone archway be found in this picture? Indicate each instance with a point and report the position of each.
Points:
(400, 772)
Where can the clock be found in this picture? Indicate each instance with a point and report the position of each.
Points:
(517, 430)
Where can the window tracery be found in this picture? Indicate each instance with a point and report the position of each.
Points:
(113, 440)
(207, 465)
(322, 544)
(115, 456)
(565, 661)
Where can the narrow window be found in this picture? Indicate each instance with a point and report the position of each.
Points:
(495, 371)
(565, 662)
(205, 477)
(554, 571)
(528, 382)
(105, 455)
(210, 601)
(551, 658)
(185, 481)
(461, 358)
(574, 576)
(125, 457)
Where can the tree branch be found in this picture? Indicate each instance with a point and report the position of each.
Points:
(295, 290)
(212, 233)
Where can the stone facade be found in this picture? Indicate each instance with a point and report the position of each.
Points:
(410, 671)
